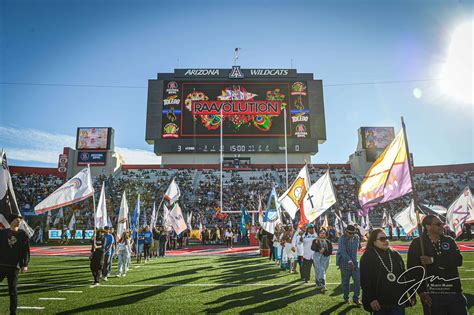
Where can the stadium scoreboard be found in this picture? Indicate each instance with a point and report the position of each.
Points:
(189, 109)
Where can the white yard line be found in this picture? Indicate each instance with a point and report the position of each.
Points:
(30, 307)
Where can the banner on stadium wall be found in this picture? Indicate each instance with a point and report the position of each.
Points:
(80, 234)
(91, 157)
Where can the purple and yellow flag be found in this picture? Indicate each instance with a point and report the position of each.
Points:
(389, 176)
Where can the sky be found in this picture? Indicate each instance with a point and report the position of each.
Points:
(65, 64)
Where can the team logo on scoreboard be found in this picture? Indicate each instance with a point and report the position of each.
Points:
(172, 88)
(301, 131)
(170, 131)
(300, 117)
(170, 114)
(298, 88)
(236, 73)
(84, 156)
(171, 100)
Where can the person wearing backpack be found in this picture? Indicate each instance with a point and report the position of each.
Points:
(322, 248)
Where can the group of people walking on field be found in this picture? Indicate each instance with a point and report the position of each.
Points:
(388, 285)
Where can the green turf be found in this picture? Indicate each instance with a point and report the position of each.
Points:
(212, 293)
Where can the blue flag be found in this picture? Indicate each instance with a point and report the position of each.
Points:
(136, 215)
(244, 219)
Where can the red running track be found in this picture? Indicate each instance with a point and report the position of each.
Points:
(84, 251)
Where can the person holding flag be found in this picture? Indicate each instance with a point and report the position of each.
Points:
(322, 248)
(440, 290)
(308, 239)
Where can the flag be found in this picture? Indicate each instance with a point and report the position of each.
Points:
(136, 215)
(74, 190)
(48, 219)
(291, 200)
(4, 222)
(8, 204)
(260, 211)
(407, 218)
(144, 222)
(388, 178)
(25, 227)
(384, 219)
(325, 224)
(271, 216)
(172, 194)
(437, 209)
(244, 219)
(59, 216)
(109, 222)
(390, 221)
(100, 216)
(189, 220)
(340, 225)
(176, 219)
(166, 219)
(367, 222)
(153, 216)
(200, 230)
(460, 212)
(72, 222)
(122, 220)
(320, 197)
(349, 219)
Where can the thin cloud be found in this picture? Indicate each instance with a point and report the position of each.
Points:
(32, 145)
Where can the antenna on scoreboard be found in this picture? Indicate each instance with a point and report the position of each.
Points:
(291, 63)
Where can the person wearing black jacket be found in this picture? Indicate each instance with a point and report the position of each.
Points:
(322, 248)
(380, 267)
(440, 287)
(14, 256)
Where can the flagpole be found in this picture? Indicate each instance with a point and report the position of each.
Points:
(137, 227)
(93, 202)
(286, 150)
(221, 159)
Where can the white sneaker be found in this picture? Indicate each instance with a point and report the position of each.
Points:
(105, 279)
(118, 275)
(94, 285)
(124, 275)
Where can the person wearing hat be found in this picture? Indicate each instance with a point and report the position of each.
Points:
(346, 260)
(441, 291)
(14, 257)
(322, 248)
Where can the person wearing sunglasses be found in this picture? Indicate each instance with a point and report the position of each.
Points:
(441, 291)
(346, 260)
(380, 267)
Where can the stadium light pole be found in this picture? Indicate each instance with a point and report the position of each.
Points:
(286, 149)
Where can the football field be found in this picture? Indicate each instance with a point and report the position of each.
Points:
(201, 284)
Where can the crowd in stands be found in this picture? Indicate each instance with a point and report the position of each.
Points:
(200, 193)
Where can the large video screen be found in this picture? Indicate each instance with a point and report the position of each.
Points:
(377, 137)
(243, 109)
(93, 138)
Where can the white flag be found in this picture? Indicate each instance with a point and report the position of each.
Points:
(122, 220)
(59, 216)
(72, 222)
(166, 220)
(390, 221)
(189, 220)
(172, 193)
(3, 222)
(460, 211)
(292, 198)
(320, 197)
(153, 216)
(407, 218)
(367, 222)
(384, 219)
(349, 219)
(25, 227)
(100, 217)
(176, 219)
(74, 190)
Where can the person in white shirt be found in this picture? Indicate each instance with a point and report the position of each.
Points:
(298, 243)
(308, 238)
(228, 238)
